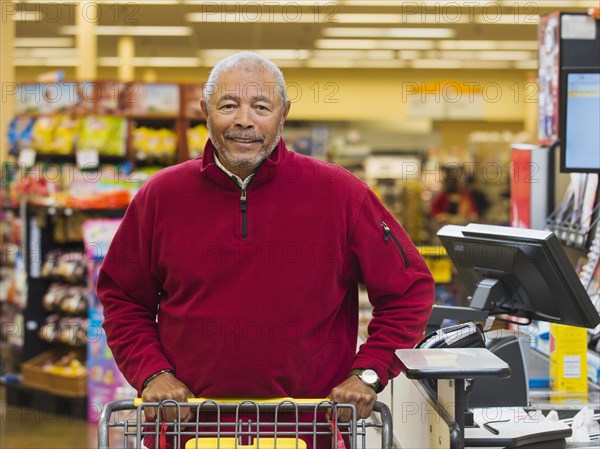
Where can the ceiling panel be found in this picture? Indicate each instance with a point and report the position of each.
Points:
(295, 25)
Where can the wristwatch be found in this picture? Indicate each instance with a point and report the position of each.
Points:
(368, 376)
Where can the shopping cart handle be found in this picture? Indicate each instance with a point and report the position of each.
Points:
(137, 402)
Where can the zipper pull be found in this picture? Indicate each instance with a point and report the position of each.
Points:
(243, 199)
(386, 231)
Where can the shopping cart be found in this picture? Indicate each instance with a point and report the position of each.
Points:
(231, 424)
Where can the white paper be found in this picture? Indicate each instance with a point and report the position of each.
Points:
(88, 158)
(27, 157)
(577, 27)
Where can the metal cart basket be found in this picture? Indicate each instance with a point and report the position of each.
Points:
(231, 424)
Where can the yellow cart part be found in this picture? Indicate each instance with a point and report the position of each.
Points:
(229, 443)
(137, 402)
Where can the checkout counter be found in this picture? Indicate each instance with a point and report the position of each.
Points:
(466, 388)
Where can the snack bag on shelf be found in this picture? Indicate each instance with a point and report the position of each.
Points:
(140, 142)
(65, 135)
(104, 134)
(168, 143)
(42, 133)
(19, 134)
(116, 143)
(196, 138)
(139, 138)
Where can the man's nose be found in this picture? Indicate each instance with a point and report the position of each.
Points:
(243, 117)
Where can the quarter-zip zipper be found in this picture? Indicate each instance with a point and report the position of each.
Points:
(387, 232)
(244, 207)
(244, 201)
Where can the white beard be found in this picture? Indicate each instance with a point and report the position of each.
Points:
(247, 164)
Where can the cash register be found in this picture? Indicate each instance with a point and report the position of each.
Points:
(511, 272)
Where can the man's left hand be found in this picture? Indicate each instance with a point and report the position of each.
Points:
(354, 391)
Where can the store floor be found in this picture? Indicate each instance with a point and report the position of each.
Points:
(22, 428)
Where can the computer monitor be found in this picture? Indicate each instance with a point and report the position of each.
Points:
(579, 128)
(519, 272)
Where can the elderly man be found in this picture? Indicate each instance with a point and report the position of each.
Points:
(236, 274)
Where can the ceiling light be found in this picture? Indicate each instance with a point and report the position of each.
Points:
(269, 3)
(156, 61)
(288, 54)
(406, 17)
(552, 3)
(487, 45)
(373, 44)
(258, 15)
(390, 32)
(44, 42)
(482, 55)
(435, 64)
(429, 3)
(530, 64)
(23, 16)
(354, 54)
(355, 63)
(458, 64)
(370, 18)
(508, 19)
(486, 64)
(507, 55)
(46, 62)
(330, 63)
(107, 2)
(44, 52)
(409, 54)
(133, 30)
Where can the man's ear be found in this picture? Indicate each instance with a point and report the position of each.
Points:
(204, 107)
(286, 109)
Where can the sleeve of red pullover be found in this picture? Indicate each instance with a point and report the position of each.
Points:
(130, 296)
(399, 284)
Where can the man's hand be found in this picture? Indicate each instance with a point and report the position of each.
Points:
(162, 387)
(354, 391)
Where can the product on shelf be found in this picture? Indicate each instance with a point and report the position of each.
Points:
(115, 199)
(65, 135)
(68, 365)
(153, 99)
(55, 134)
(70, 266)
(196, 139)
(68, 299)
(71, 331)
(97, 234)
(42, 133)
(19, 134)
(105, 134)
(34, 188)
(154, 144)
(59, 371)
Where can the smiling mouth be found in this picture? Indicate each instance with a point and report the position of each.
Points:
(240, 140)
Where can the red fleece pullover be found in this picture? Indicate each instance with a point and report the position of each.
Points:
(259, 297)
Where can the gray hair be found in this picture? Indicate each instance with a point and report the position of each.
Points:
(249, 61)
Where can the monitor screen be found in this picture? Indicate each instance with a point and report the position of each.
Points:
(580, 120)
(519, 272)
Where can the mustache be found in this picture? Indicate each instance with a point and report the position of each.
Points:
(243, 135)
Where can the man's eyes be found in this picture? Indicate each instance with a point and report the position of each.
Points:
(231, 106)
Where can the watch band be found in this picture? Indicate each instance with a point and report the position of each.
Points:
(358, 371)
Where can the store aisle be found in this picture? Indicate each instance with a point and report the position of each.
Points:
(22, 428)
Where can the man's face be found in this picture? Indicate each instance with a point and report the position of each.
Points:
(245, 118)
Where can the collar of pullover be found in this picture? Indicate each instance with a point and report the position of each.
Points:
(243, 183)
(264, 173)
